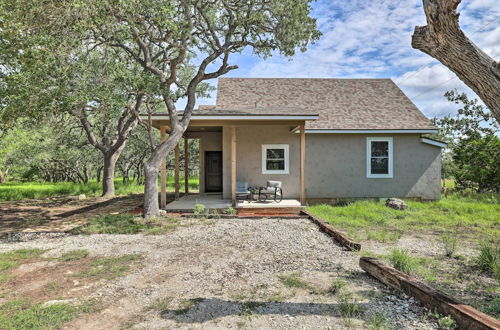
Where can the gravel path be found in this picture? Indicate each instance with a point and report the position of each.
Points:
(226, 274)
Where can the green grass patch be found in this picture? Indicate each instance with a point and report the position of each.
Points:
(474, 216)
(109, 267)
(74, 255)
(13, 258)
(11, 191)
(293, 281)
(403, 261)
(112, 224)
(22, 314)
(488, 260)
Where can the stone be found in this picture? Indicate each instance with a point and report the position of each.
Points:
(395, 203)
(82, 197)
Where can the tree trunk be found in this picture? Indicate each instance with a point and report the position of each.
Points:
(108, 178)
(443, 39)
(151, 169)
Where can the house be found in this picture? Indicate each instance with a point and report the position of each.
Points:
(322, 138)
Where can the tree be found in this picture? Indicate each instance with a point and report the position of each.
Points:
(443, 39)
(473, 143)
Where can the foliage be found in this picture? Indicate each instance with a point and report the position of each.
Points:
(200, 209)
(474, 147)
(403, 261)
(449, 244)
(488, 259)
(230, 210)
(445, 322)
(30, 190)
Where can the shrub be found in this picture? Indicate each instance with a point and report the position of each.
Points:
(488, 259)
(403, 261)
(200, 209)
(230, 210)
(449, 244)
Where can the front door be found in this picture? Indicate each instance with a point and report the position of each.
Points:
(213, 171)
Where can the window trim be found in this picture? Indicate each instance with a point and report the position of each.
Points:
(264, 158)
(369, 174)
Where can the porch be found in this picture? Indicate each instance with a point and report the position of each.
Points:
(216, 201)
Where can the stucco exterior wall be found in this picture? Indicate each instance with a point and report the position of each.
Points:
(249, 141)
(336, 168)
(209, 141)
(335, 164)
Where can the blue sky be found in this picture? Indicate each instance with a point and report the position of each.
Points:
(372, 39)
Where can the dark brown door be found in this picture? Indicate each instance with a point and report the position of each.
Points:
(213, 171)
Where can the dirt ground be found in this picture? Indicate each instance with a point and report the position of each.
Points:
(216, 274)
(59, 213)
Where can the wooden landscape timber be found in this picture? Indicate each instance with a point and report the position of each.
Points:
(340, 237)
(466, 316)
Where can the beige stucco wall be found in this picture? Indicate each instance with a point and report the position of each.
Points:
(335, 164)
(249, 141)
(336, 168)
(209, 141)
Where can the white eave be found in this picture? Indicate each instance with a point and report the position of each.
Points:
(370, 131)
(238, 117)
(433, 142)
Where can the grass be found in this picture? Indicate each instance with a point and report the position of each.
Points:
(293, 281)
(475, 216)
(74, 255)
(109, 267)
(12, 191)
(13, 258)
(112, 224)
(403, 261)
(22, 314)
(488, 259)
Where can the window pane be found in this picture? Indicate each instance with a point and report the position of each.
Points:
(274, 165)
(380, 149)
(380, 165)
(275, 153)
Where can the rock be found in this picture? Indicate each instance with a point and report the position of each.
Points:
(396, 204)
(162, 213)
(81, 197)
(54, 302)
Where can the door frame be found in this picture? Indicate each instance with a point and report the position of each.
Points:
(205, 176)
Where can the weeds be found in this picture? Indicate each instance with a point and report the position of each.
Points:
(200, 210)
(403, 261)
(293, 281)
(230, 210)
(378, 321)
(449, 244)
(112, 224)
(349, 306)
(248, 308)
(488, 260)
(336, 286)
(187, 304)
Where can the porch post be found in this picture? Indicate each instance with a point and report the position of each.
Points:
(186, 166)
(163, 172)
(233, 166)
(302, 165)
(176, 172)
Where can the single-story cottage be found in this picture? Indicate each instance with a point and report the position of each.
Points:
(322, 139)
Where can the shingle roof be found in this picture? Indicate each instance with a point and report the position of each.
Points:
(340, 103)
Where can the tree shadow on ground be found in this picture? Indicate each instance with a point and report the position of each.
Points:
(206, 309)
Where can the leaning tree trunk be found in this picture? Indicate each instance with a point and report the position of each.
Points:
(151, 169)
(443, 39)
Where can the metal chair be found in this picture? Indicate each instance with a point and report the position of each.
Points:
(242, 189)
(273, 188)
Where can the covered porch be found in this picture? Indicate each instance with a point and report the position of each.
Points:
(233, 148)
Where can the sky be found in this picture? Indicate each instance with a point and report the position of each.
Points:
(372, 39)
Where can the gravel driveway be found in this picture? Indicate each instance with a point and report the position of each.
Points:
(235, 273)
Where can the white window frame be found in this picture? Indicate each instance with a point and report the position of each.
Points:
(369, 141)
(264, 158)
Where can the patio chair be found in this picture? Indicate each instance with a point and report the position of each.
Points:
(242, 189)
(273, 188)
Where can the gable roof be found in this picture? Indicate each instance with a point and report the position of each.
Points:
(342, 104)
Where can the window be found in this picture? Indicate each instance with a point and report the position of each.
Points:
(379, 157)
(275, 159)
